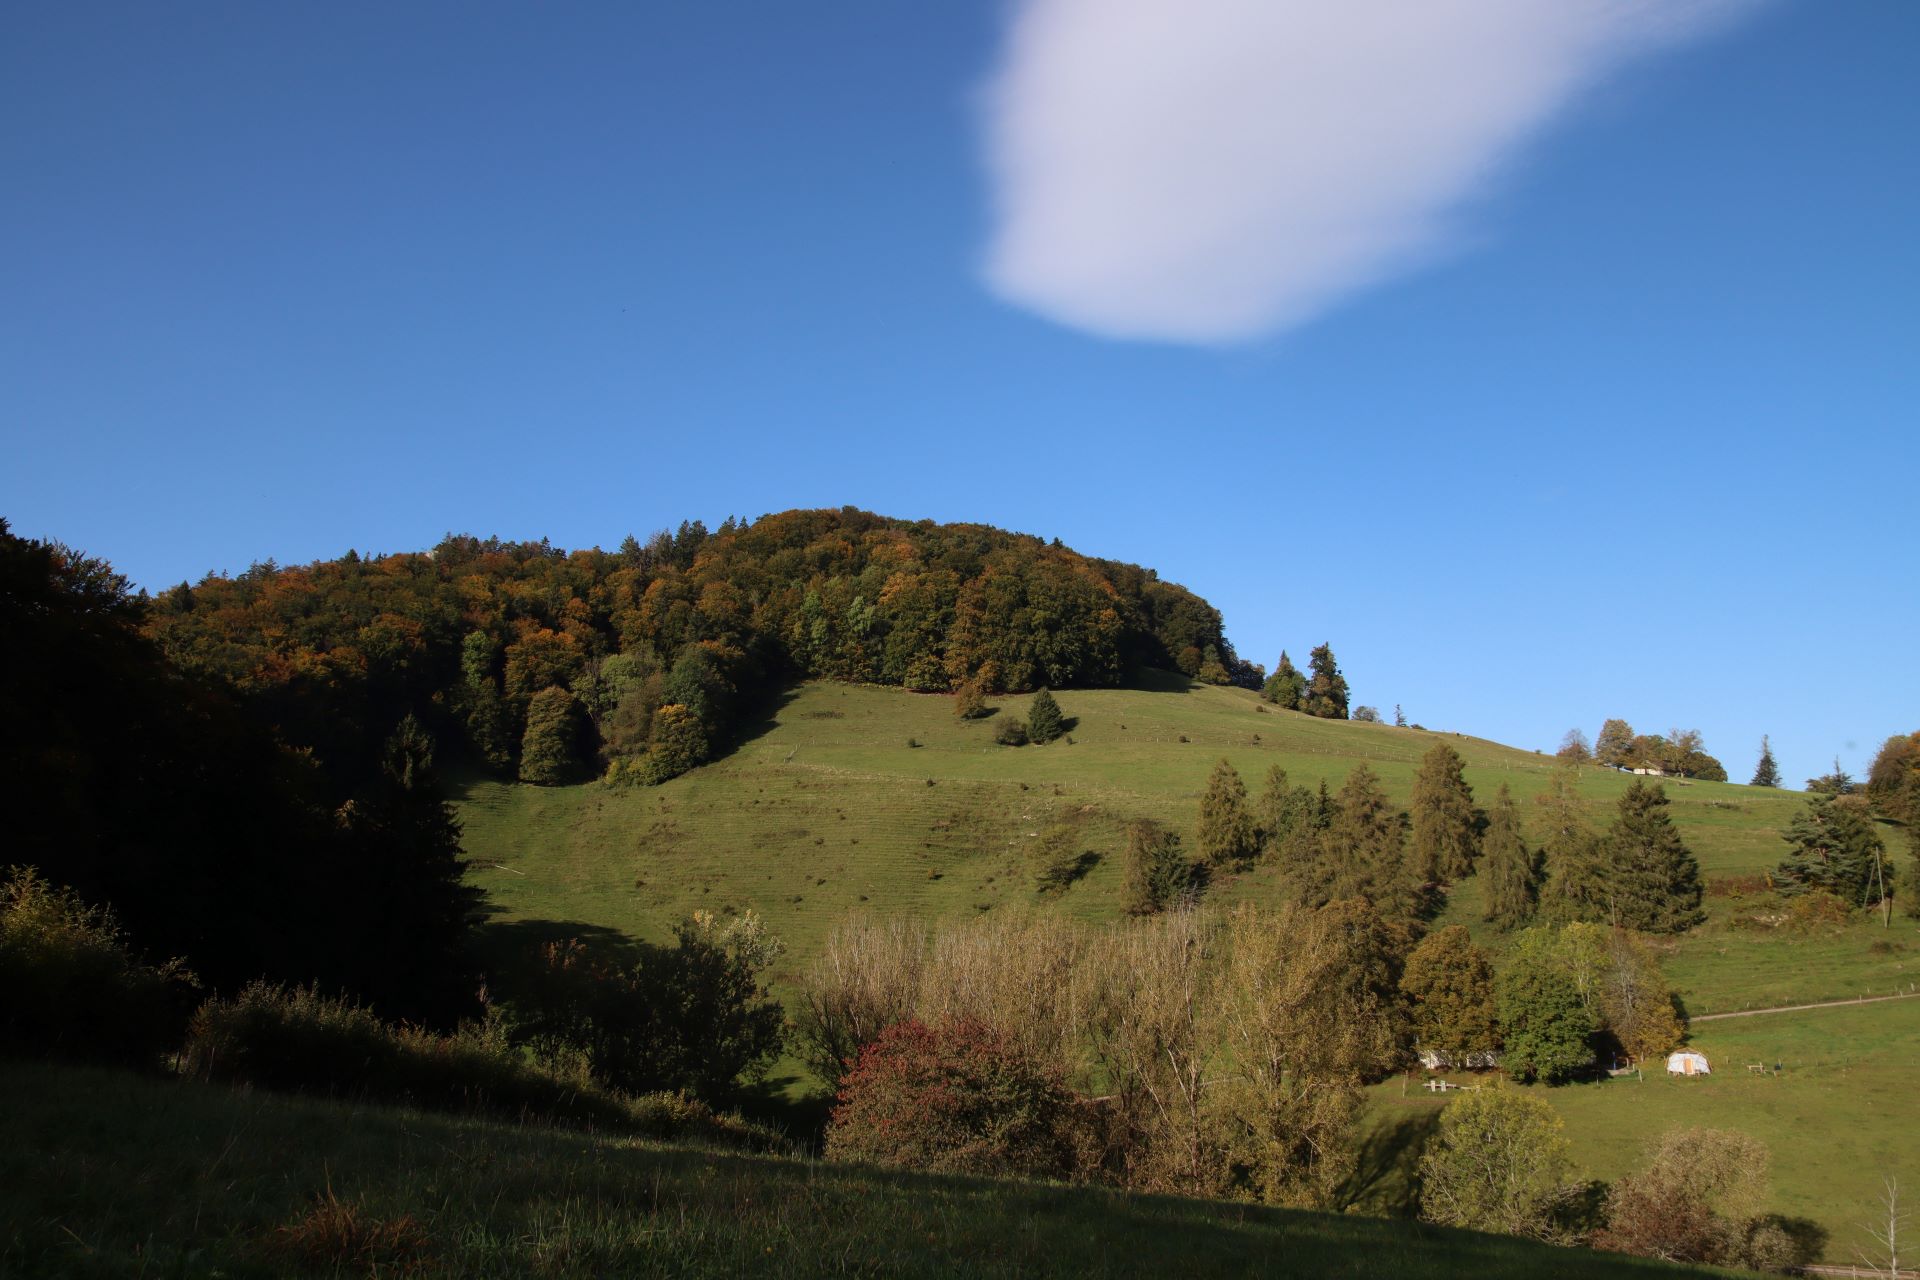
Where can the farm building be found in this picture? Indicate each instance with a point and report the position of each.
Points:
(1685, 1062)
(1444, 1060)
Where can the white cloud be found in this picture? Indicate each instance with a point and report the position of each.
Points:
(1211, 170)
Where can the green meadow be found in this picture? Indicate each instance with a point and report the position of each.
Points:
(846, 799)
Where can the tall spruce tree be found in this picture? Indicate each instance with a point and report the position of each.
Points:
(1280, 809)
(1512, 872)
(1766, 773)
(1227, 832)
(1044, 721)
(1365, 849)
(1833, 847)
(1327, 689)
(1445, 826)
(1653, 878)
(1576, 883)
(1286, 688)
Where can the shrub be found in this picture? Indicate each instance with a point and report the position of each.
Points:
(693, 1017)
(1699, 1199)
(71, 988)
(864, 981)
(297, 1040)
(958, 1098)
(1011, 733)
(970, 701)
(1498, 1163)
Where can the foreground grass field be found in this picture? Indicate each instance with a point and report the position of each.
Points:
(111, 1175)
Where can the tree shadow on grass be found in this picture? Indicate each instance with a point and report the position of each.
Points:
(1385, 1180)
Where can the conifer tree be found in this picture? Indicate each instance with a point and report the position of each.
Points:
(1653, 878)
(1833, 847)
(1286, 688)
(1766, 773)
(1512, 871)
(1614, 746)
(1226, 828)
(1281, 810)
(1445, 838)
(1365, 849)
(1327, 688)
(1576, 885)
(1044, 721)
(1158, 874)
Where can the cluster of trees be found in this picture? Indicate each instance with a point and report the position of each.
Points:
(1323, 693)
(1636, 874)
(150, 788)
(1189, 1052)
(1681, 753)
(1500, 1161)
(641, 660)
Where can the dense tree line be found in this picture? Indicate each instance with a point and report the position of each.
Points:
(1680, 753)
(642, 660)
(155, 791)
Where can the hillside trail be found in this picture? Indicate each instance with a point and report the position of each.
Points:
(1794, 1008)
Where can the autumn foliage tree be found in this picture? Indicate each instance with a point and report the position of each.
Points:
(960, 1097)
(1448, 984)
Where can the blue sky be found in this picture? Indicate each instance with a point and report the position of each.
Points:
(1622, 426)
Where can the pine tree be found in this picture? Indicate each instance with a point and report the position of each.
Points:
(1445, 838)
(1226, 828)
(1327, 689)
(1158, 874)
(1653, 877)
(1833, 848)
(1286, 687)
(1577, 887)
(1044, 721)
(1513, 872)
(1365, 849)
(1766, 773)
(1399, 717)
(1282, 809)
(1614, 746)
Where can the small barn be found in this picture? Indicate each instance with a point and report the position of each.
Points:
(1686, 1062)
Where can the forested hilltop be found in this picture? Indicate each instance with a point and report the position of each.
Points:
(551, 663)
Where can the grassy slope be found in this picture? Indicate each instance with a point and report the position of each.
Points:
(112, 1175)
(828, 811)
(1837, 1118)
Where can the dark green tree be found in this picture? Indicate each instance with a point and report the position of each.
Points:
(1326, 688)
(1837, 783)
(1445, 826)
(1280, 809)
(1512, 872)
(1158, 873)
(1576, 882)
(1044, 721)
(1365, 849)
(1227, 834)
(1448, 983)
(1653, 878)
(550, 749)
(1833, 847)
(1766, 773)
(1546, 1026)
(1286, 688)
(1615, 743)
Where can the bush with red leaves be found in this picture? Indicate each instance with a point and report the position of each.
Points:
(957, 1098)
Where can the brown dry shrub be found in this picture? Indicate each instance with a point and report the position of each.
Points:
(343, 1236)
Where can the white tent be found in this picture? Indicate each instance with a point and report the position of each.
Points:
(1688, 1063)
